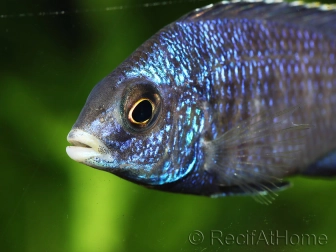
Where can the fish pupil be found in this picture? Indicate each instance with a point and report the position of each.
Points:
(142, 112)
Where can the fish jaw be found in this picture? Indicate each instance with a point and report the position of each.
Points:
(87, 149)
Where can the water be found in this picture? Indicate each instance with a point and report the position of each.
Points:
(49, 64)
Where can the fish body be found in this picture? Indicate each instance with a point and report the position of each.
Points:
(229, 99)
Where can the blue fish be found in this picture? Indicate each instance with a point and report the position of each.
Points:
(230, 99)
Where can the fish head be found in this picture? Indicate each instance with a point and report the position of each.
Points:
(127, 128)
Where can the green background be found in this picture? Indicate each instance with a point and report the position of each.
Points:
(49, 64)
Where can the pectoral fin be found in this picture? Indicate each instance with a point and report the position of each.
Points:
(257, 153)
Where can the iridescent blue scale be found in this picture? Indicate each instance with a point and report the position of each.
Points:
(242, 95)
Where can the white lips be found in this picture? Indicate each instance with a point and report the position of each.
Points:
(86, 146)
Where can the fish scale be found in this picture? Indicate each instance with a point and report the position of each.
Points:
(241, 95)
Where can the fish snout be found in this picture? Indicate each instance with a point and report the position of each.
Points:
(84, 146)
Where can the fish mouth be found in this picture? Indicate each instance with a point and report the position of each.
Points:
(85, 147)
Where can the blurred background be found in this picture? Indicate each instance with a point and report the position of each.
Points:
(49, 64)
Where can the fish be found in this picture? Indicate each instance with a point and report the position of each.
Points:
(230, 99)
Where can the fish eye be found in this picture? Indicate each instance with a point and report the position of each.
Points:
(141, 112)
(141, 107)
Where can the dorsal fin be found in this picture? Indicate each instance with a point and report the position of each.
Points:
(311, 16)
